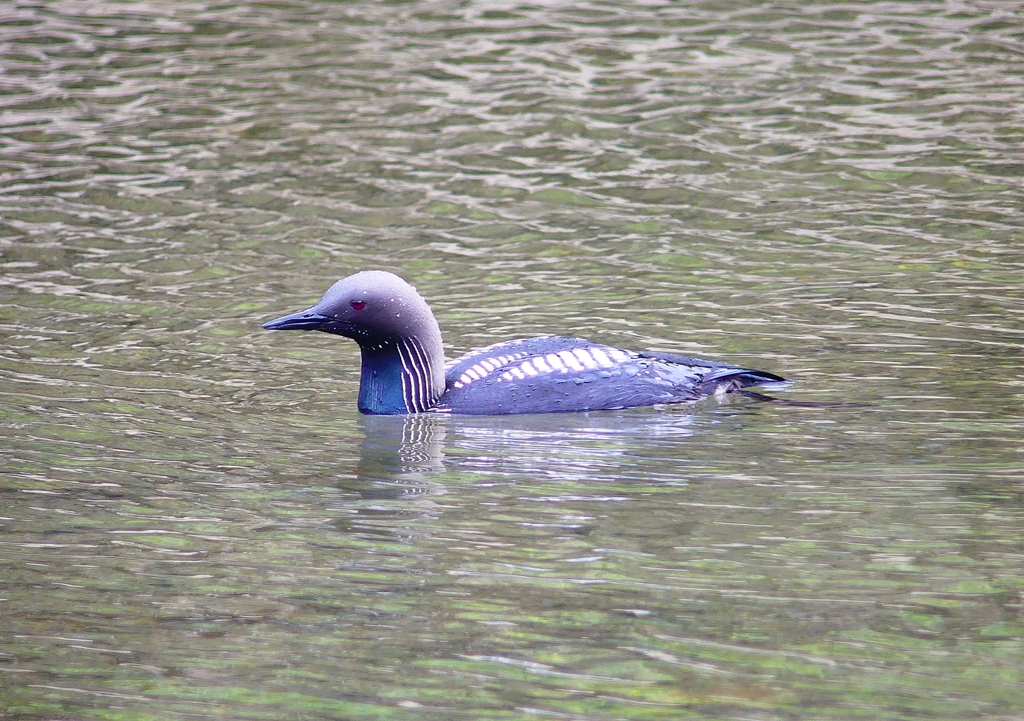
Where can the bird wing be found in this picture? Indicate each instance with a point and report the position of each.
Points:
(556, 374)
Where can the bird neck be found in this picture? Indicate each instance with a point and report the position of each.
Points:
(405, 375)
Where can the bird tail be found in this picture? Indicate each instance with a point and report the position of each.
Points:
(726, 380)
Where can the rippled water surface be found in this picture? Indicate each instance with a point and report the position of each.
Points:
(195, 522)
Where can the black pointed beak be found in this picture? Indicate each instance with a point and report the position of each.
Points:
(303, 320)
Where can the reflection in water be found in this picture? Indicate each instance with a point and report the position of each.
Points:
(396, 481)
(407, 463)
(574, 447)
(404, 456)
(400, 452)
(561, 428)
(831, 189)
(400, 445)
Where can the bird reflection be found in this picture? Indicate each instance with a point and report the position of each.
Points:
(400, 452)
(403, 470)
(578, 447)
(395, 484)
(403, 455)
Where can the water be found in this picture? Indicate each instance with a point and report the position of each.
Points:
(196, 523)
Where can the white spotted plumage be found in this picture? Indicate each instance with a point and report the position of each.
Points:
(570, 360)
(527, 368)
(555, 362)
(584, 357)
(602, 360)
(522, 366)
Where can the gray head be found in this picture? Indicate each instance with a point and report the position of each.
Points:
(395, 330)
(370, 307)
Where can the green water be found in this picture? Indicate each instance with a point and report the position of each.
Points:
(195, 522)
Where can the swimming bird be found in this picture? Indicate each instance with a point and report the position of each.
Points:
(404, 371)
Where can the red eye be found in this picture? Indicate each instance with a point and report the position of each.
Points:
(358, 304)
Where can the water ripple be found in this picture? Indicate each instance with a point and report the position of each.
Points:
(194, 513)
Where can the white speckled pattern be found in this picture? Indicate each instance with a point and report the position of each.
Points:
(577, 360)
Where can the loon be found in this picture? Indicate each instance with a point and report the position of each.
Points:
(404, 371)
